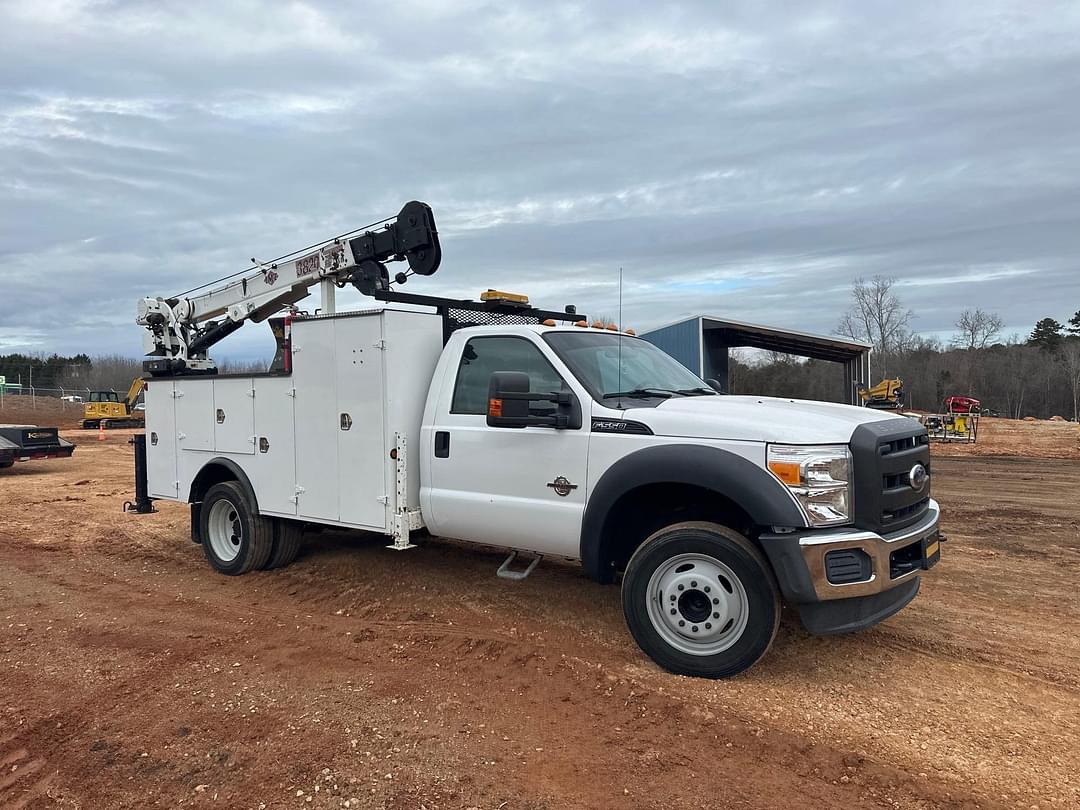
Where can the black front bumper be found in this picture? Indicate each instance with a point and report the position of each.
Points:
(875, 575)
(858, 613)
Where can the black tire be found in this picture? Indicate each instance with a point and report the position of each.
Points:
(756, 605)
(228, 502)
(5, 464)
(288, 536)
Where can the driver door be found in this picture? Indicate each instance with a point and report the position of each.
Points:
(520, 488)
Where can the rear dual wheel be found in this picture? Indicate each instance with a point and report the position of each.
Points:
(288, 535)
(236, 539)
(701, 600)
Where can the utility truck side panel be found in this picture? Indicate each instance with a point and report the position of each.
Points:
(315, 443)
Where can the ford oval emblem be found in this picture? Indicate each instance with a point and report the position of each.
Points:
(917, 477)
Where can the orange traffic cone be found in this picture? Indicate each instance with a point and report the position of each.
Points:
(101, 431)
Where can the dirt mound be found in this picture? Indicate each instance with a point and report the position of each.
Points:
(43, 411)
(1029, 438)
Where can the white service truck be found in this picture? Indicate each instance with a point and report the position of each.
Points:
(500, 424)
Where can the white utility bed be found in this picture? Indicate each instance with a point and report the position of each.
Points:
(315, 443)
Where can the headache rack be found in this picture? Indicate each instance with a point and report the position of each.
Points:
(459, 313)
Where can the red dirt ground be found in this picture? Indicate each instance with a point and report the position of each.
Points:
(132, 676)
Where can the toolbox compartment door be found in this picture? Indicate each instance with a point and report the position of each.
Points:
(161, 440)
(194, 414)
(234, 415)
(315, 417)
(362, 497)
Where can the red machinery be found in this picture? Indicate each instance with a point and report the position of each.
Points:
(957, 404)
(958, 422)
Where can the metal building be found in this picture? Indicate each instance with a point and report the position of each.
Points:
(701, 343)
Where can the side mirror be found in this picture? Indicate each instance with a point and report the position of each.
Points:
(715, 385)
(509, 398)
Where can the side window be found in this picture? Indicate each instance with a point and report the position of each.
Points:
(484, 355)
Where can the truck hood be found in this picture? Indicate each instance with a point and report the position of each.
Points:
(763, 419)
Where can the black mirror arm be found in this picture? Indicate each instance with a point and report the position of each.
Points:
(558, 397)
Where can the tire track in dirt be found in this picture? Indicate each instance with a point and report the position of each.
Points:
(23, 777)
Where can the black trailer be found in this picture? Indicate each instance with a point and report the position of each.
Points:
(30, 442)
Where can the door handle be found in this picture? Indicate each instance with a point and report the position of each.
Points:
(442, 444)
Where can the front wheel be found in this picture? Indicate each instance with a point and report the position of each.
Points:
(701, 600)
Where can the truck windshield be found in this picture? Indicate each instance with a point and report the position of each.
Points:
(637, 370)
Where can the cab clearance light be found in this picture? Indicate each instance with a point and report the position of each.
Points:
(597, 325)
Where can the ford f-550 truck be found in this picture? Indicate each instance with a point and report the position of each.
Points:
(500, 424)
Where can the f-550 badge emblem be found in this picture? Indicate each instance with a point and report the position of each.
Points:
(562, 486)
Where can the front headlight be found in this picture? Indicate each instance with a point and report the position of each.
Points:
(820, 477)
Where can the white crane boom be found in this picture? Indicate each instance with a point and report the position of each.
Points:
(179, 330)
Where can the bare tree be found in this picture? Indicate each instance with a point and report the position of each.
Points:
(877, 316)
(1070, 360)
(976, 329)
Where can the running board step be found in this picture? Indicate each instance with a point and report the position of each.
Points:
(506, 572)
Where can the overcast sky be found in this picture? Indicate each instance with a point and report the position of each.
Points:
(742, 159)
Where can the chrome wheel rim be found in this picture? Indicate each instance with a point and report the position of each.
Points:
(697, 604)
(225, 530)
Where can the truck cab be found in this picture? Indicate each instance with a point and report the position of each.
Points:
(682, 492)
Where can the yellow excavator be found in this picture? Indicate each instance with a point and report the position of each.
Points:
(886, 395)
(106, 410)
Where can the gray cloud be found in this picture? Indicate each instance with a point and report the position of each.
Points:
(731, 158)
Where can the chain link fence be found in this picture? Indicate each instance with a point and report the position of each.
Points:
(14, 394)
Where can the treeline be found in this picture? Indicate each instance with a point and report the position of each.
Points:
(1035, 376)
(43, 371)
(79, 373)
(1013, 379)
